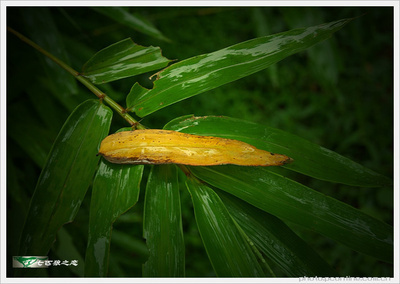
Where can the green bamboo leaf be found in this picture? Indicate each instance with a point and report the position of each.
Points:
(133, 21)
(309, 158)
(65, 177)
(162, 224)
(205, 72)
(115, 189)
(275, 240)
(289, 200)
(122, 59)
(229, 252)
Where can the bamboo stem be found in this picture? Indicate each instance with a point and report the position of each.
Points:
(101, 95)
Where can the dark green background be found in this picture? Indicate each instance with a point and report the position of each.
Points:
(338, 94)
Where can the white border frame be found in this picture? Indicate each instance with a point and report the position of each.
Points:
(3, 262)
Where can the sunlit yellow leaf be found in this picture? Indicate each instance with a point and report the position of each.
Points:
(171, 147)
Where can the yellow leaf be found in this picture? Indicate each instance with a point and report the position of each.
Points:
(152, 146)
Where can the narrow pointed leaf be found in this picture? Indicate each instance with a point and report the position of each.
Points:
(289, 200)
(162, 224)
(122, 59)
(115, 189)
(309, 158)
(205, 72)
(275, 240)
(67, 174)
(229, 252)
(133, 21)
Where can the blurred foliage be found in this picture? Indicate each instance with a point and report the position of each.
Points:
(338, 94)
